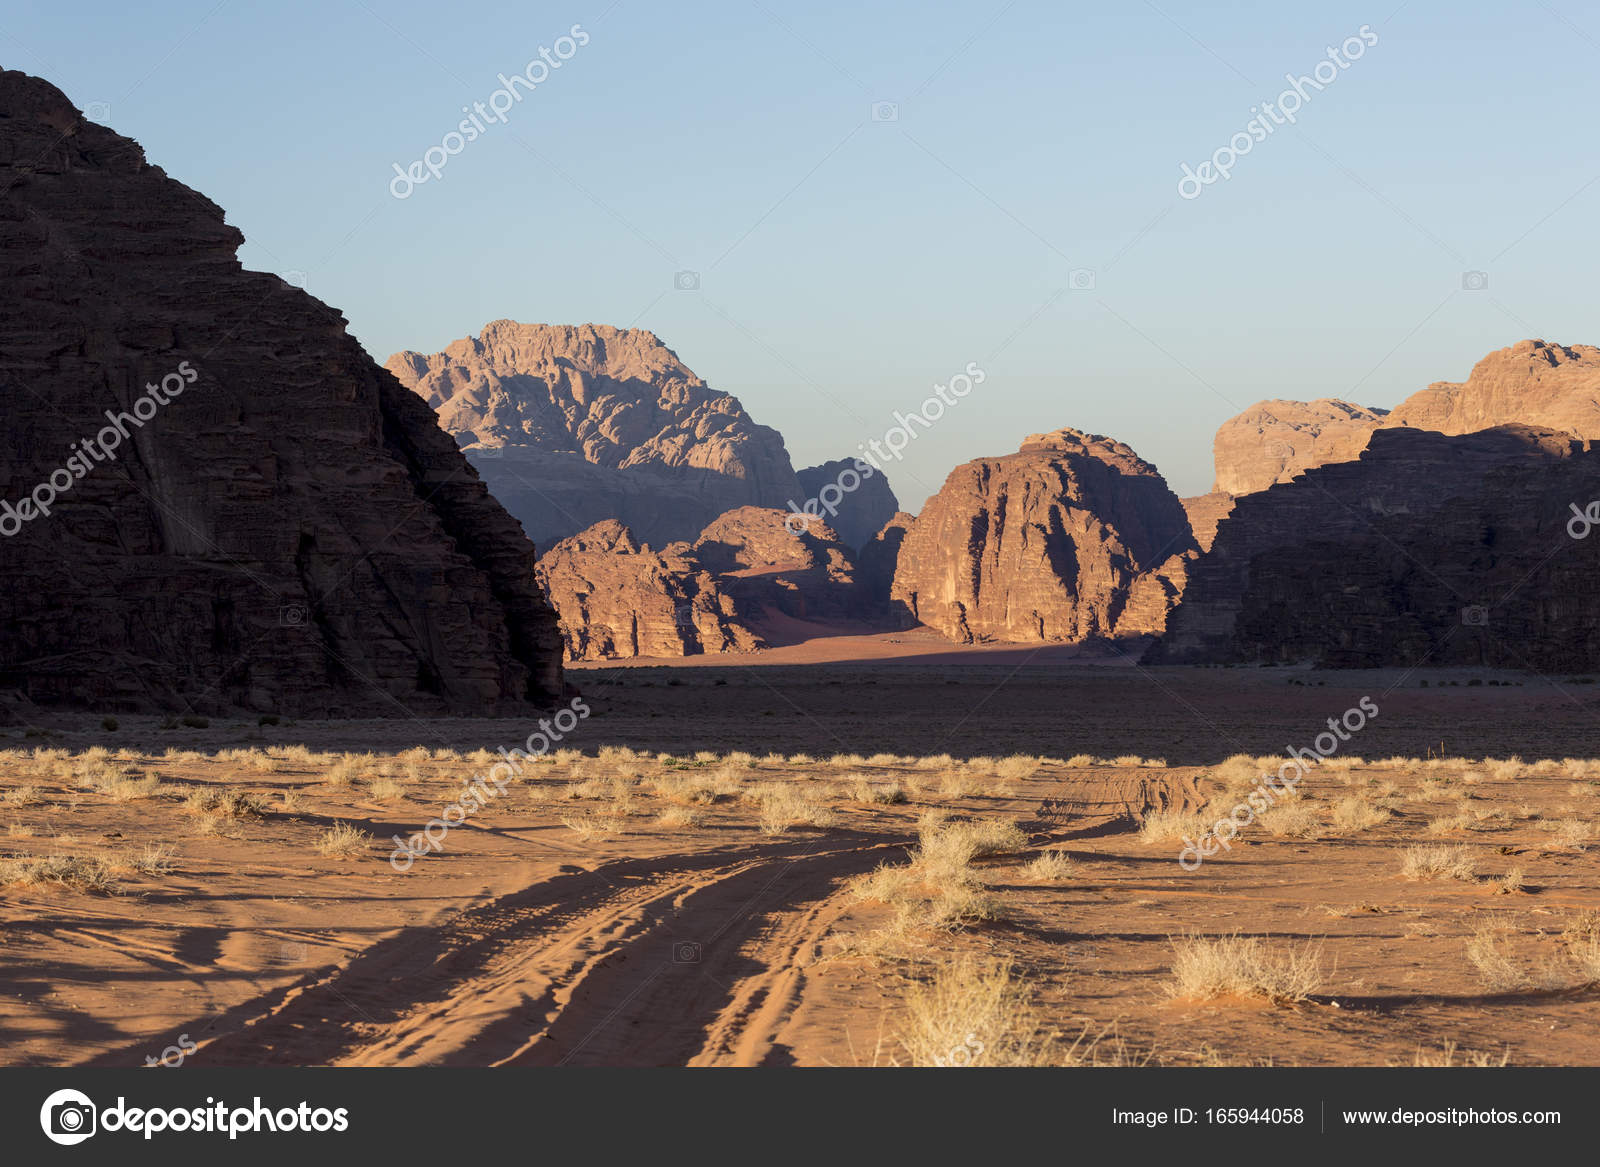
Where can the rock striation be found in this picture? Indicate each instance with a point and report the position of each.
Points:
(1431, 548)
(572, 425)
(719, 593)
(1072, 538)
(243, 509)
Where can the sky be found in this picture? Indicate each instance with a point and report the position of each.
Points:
(829, 208)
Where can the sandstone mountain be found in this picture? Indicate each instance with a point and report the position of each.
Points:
(859, 494)
(572, 425)
(288, 529)
(1072, 538)
(1531, 383)
(1272, 441)
(1436, 549)
(720, 593)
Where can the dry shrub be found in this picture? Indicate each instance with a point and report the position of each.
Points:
(1437, 862)
(1572, 834)
(1243, 966)
(1018, 767)
(680, 816)
(22, 796)
(1292, 818)
(1173, 826)
(1581, 939)
(1357, 814)
(784, 805)
(1489, 950)
(89, 874)
(971, 1013)
(587, 824)
(151, 859)
(1049, 867)
(224, 803)
(386, 789)
(877, 793)
(343, 841)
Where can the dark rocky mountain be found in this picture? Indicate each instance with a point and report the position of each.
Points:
(243, 509)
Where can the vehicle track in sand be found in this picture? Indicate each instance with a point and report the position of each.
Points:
(689, 958)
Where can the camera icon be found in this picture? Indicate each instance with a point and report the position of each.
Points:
(295, 279)
(68, 1117)
(1080, 279)
(686, 952)
(292, 616)
(683, 616)
(487, 452)
(1474, 281)
(885, 111)
(1475, 616)
(98, 111)
(687, 281)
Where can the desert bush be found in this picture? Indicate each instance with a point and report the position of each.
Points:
(1018, 767)
(1173, 826)
(1049, 867)
(89, 874)
(880, 793)
(1437, 861)
(785, 805)
(680, 816)
(1357, 814)
(971, 1013)
(343, 841)
(1220, 966)
(1489, 951)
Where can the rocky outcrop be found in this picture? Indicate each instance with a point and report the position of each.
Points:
(852, 496)
(1272, 441)
(1529, 383)
(572, 425)
(618, 598)
(881, 556)
(1072, 538)
(1444, 550)
(1532, 383)
(246, 511)
(1205, 511)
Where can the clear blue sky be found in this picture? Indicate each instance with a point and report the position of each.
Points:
(849, 260)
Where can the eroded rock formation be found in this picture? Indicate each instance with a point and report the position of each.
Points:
(618, 598)
(853, 497)
(286, 529)
(572, 425)
(1430, 549)
(1072, 538)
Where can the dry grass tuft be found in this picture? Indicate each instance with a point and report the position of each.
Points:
(1049, 867)
(971, 1013)
(1221, 966)
(89, 874)
(343, 841)
(1488, 950)
(1437, 862)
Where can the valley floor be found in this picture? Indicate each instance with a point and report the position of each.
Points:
(846, 864)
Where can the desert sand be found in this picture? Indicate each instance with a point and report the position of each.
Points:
(857, 863)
